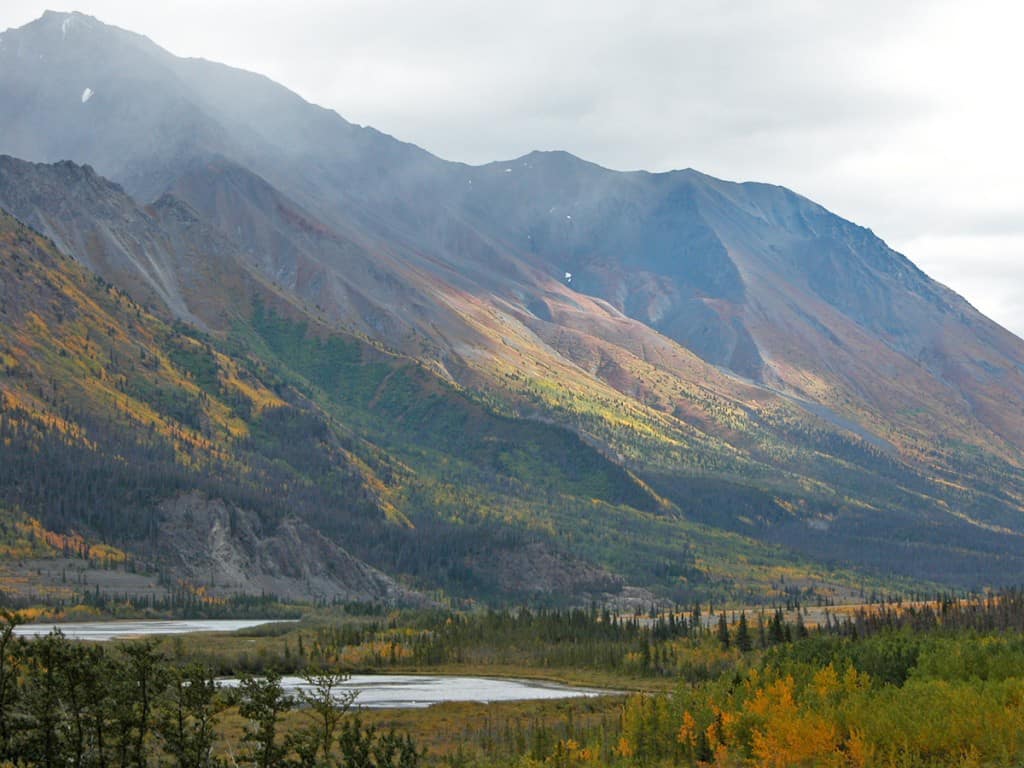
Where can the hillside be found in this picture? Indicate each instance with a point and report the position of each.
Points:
(107, 412)
(237, 472)
(650, 377)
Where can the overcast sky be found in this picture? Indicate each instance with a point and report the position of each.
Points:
(905, 117)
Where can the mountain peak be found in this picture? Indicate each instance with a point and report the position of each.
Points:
(50, 15)
(55, 31)
(64, 23)
(556, 158)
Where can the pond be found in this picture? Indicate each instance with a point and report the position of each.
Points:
(117, 630)
(417, 691)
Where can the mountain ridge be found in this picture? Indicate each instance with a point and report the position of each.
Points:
(731, 345)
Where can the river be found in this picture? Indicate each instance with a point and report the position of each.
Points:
(117, 630)
(374, 691)
(417, 691)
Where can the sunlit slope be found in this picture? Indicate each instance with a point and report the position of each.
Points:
(114, 421)
(540, 347)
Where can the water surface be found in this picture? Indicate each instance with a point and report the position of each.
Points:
(374, 691)
(416, 691)
(118, 630)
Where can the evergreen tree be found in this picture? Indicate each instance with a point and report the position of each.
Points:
(144, 676)
(186, 720)
(41, 735)
(801, 629)
(723, 630)
(777, 628)
(262, 701)
(743, 641)
(10, 662)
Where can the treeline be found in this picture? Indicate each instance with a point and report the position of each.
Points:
(673, 644)
(65, 703)
(610, 645)
(999, 612)
(177, 603)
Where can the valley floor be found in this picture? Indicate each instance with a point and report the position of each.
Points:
(927, 683)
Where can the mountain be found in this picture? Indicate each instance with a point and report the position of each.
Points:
(756, 373)
(213, 465)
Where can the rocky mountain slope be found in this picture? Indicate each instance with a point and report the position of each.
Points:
(117, 426)
(753, 362)
(225, 464)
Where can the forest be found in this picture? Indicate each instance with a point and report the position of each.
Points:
(929, 683)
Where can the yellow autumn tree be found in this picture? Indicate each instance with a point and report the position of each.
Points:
(788, 734)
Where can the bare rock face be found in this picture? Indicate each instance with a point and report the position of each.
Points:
(229, 551)
(162, 254)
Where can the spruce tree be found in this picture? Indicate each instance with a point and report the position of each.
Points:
(723, 630)
(743, 641)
